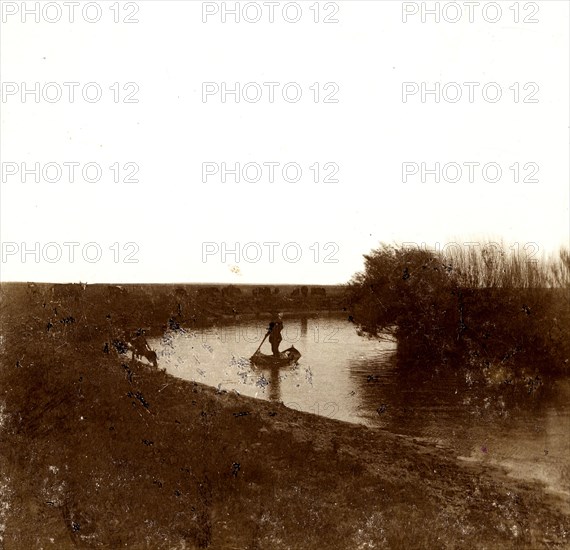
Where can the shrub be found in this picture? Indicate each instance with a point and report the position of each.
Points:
(482, 305)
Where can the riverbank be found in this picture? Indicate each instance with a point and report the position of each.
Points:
(98, 452)
(155, 306)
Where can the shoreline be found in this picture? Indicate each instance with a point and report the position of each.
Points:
(498, 471)
(253, 471)
(97, 451)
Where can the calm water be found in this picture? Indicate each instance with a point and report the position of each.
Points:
(347, 377)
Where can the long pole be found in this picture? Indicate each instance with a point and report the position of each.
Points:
(267, 334)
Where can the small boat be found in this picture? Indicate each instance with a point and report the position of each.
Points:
(287, 357)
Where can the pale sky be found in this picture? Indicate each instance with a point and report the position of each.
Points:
(173, 216)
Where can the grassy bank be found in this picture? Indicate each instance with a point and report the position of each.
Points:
(98, 452)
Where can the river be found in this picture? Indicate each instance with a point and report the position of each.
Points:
(355, 379)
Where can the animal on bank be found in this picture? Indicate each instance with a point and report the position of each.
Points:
(140, 348)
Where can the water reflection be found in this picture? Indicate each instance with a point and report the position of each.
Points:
(522, 429)
(404, 401)
(347, 377)
(271, 378)
(304, 325)
(274, 390)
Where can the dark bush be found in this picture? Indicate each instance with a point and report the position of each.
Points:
(482, 308)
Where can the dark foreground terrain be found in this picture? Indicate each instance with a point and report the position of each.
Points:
(100, 452)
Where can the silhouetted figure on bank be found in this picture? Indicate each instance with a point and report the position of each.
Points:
(275, 328)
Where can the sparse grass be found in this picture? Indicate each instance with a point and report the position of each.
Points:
(492, 265)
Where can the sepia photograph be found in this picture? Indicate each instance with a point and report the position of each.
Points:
(284, 275)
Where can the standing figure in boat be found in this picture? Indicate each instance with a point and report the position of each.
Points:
(275, 328)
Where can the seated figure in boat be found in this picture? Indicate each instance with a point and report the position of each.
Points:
(275, 328)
